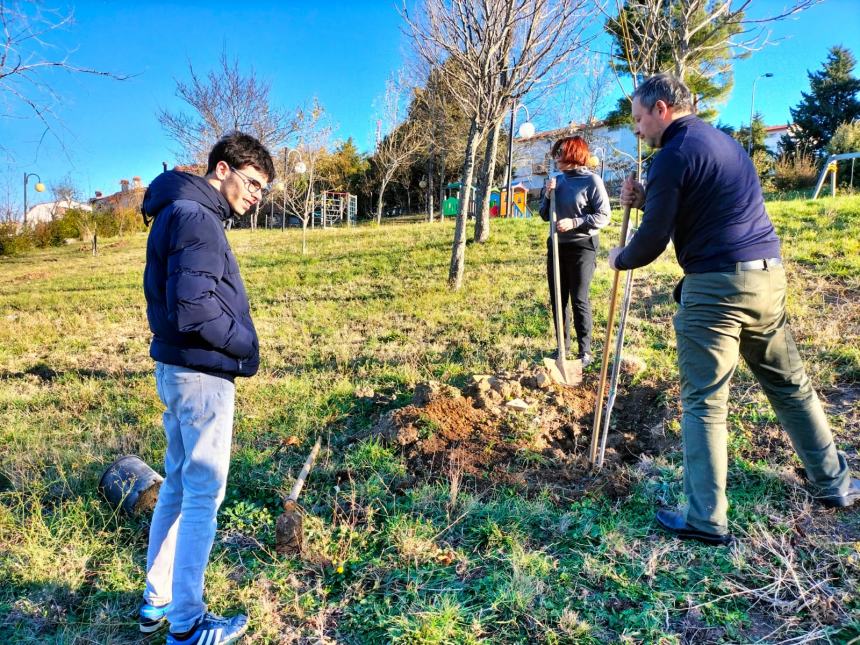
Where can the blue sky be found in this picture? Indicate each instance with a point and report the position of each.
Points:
(341, 52)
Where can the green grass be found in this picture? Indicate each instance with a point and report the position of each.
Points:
(389, 561)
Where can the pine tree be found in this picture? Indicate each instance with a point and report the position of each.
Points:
(705, 64)
(831, 101)
(759, 134)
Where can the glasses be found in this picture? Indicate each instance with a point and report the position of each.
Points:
(252, 185)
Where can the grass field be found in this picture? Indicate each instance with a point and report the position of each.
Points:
(431, 560)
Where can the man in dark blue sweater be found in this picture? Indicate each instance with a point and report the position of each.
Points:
(704, 195)
(202, 338)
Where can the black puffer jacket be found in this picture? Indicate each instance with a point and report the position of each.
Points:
(195, 300)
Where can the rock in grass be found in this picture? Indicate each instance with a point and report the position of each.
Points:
(542, 380)
(425, 392)
(632, 365)
(517, 404)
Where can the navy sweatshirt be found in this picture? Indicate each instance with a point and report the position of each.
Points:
(195, 299)
(581, 196)
(703, 194)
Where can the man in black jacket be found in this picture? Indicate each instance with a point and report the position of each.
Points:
(202, 338)
(703, 194)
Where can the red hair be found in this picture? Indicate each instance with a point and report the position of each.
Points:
(571, 150)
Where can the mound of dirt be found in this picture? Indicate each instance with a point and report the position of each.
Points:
(519, 428)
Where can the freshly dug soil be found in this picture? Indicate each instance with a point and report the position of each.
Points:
(520, 429)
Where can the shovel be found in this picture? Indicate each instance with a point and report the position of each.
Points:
(560, 370)
(598, 444)
(289, 531)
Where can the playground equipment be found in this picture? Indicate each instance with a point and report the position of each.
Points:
(333, 208)
(830, 166)
(519, 207)
(495, 202)
(451, 203)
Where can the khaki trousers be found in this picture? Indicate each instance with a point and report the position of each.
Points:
(722, 316)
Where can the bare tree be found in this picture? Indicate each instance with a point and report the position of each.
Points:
(437, 112)
(298, 189)
(222, 101)
(584, 96)
(485, 183)
(26, 60)
(503, 50)
(399, 139)
(696, 40)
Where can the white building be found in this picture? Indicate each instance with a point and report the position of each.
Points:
(49, 211)
(614, 147)
(773, 133)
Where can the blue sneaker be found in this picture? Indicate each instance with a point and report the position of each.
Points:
(213, 630)
(152, 618)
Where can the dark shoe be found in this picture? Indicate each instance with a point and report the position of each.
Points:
(554, 354)
(212, 630)
(844, 500)
(677, 525)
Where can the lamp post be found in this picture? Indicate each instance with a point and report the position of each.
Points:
(752, 109)
(300, 168)
(39, 188)
(602, 159)
(526, 129)
(423, 186)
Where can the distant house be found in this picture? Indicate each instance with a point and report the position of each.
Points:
(615, 148)
(127, 197)
(773, 133)
(49, 211)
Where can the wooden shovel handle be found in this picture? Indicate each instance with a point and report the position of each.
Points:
(604, 363)
(306, 469)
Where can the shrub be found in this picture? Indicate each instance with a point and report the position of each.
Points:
(795, 172)
(845, 139)
(12, 242)
(763, 162)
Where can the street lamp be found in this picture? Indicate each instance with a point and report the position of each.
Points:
(423, 186)
(299, 168)
(526, 130)
(601, 159)
(752, 109)
(39, 188)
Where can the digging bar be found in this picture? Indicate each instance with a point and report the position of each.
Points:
(289, 527)
(616, 366)
(560, 370)
(604, 363)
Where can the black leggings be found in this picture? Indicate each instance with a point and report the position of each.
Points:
(576, 262)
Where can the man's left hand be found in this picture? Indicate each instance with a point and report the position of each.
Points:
(613, 255)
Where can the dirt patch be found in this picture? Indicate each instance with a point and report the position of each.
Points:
(520, 429)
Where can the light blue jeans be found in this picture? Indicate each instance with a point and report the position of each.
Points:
(198, 423)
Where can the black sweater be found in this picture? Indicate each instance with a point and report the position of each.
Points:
(703, 194)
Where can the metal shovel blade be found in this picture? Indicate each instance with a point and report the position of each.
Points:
(563, 371)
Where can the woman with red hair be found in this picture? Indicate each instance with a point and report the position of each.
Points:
(582, 209)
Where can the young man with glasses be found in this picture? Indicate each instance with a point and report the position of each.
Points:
(202, 338)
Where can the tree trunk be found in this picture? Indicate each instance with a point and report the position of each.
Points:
(379, 204)
(441, 187)
(485, 184)
(305, 236)
(458, 249)
(430, 170)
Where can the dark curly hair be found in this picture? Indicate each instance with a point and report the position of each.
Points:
(240, 150)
